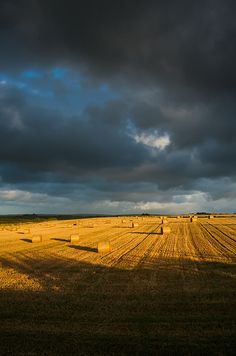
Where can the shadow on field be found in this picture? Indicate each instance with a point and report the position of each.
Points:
(146, 233)
(83, 248)
(161, 307)
(26, 240)
(60, 239)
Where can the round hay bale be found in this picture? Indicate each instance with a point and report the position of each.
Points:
(165, 230)
(36, 238)
(104, 247)
(74, 238)
(90, 225)
(24, 231)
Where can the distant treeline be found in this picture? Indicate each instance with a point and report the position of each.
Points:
(8, 219)
(13, 219)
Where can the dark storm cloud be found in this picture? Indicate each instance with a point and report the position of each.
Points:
(43, 145)
(39, 140)
(190, 124)
(173, 65)
(175, 43)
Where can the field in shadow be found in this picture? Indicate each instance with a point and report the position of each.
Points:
(163, 307)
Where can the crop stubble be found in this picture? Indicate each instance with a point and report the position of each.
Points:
(160, 291)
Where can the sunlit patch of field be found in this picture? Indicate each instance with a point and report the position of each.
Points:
(152, 293)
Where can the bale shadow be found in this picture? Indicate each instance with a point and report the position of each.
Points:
(59, 239)
(84, 248)
(27, 240)
(146, 233)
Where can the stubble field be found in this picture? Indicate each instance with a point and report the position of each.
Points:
(152, 294)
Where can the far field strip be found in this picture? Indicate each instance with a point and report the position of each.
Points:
(137, 247)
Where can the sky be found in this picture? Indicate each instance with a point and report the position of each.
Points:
(117, 107)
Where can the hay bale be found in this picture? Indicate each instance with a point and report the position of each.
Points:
(193, 219)
(134, 224)
(164, 221)
(104, 247)
(165, 230)
(74, 238)
(90, 225)
(210, 217)
(123, 221)
(36, 238)
(24, 231)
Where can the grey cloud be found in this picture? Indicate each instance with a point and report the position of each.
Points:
(39, 140)
(40, 144)
(177, 44)
(173, 65)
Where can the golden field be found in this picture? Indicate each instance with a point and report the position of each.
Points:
(152, 293)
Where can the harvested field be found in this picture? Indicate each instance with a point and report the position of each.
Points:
(152, 294)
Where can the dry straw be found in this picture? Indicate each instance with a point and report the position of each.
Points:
(74, 238)
(25, 231)
(37, 238)
(165, 230)
(91, 225)
(104, 247)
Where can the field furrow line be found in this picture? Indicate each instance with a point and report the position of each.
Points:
(228, 234)
(119, 257)
(224, 250)
(222, 238)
